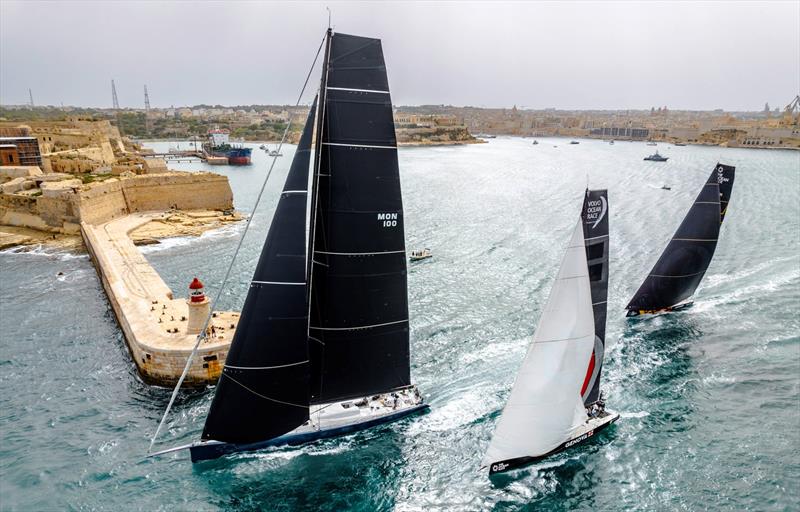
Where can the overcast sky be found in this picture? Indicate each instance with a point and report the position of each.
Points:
(605, 55)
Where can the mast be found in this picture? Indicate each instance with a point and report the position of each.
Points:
(595, 233)
(684, 262)
(263, 391)
(545, 404)
(358, 318)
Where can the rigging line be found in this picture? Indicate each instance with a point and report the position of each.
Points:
(262, 396)
(201, 335)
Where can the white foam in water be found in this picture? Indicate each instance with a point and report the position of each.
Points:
(640, 414)
(180, 241)
(468, 407)
(754, 290)
(496, 349)
(717, 379)
(41, 250)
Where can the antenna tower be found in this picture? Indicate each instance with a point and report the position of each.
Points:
(30, 94)
(146, 110)
(114, 95)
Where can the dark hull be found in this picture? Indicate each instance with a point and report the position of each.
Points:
(210, 451)
(521, 462)
(640, 312)
(239, 160)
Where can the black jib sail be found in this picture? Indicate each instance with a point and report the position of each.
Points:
(595, 234)
(358, 324)
(684, 262)
(263, 390)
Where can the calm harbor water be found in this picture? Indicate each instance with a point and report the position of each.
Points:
(709, 397)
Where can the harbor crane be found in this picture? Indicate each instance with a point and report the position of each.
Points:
(791, 114)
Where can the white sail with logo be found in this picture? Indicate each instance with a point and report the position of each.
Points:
(545, 405)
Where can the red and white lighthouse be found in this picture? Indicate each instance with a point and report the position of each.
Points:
(199, 307)
(196, 293)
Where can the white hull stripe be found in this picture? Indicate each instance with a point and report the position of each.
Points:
(356, 90)
(278, 282)
(601, 302)
(295, 192)
(265, 367)
(358, 145)
(596, 237)
(359, 253)
(706, 202)
(355, 328)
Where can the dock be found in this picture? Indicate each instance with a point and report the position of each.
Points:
(160, 330)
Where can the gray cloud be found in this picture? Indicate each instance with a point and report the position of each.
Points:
(694, 55)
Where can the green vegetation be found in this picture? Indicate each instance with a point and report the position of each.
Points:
(133, 124)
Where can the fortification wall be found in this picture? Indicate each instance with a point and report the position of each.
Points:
(113, 198)
(184, 191)
(102, 202)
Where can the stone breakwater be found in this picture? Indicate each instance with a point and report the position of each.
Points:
(159, 329)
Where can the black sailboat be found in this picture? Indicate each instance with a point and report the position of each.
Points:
(684, 262)
(595, 235)
(322, 347)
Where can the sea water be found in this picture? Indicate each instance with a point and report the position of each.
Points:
(709, 397)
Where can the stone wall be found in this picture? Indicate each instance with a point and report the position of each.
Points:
(184, 191)
(61, 209)
(102, 202)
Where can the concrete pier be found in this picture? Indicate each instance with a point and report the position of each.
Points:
(155, 324)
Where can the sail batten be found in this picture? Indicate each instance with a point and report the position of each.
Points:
(680, 268)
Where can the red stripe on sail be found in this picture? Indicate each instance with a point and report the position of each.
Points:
(588, 375)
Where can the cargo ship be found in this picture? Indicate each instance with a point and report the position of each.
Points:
(219, 145)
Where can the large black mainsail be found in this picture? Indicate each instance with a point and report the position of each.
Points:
(684, 262)
(358, 325)
(263, 391)
(322, 347)
(595, 234)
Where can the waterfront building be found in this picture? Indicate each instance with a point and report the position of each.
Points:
(20, 151)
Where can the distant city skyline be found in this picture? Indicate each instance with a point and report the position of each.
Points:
(736, 56)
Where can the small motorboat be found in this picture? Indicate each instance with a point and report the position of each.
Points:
(679, 144)
(424, 254)
(651, 143)
(275, 152)
(611, 143)
(655, 157)
(535, 142)
(665, 187)
(574, 142)
(262, 146)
